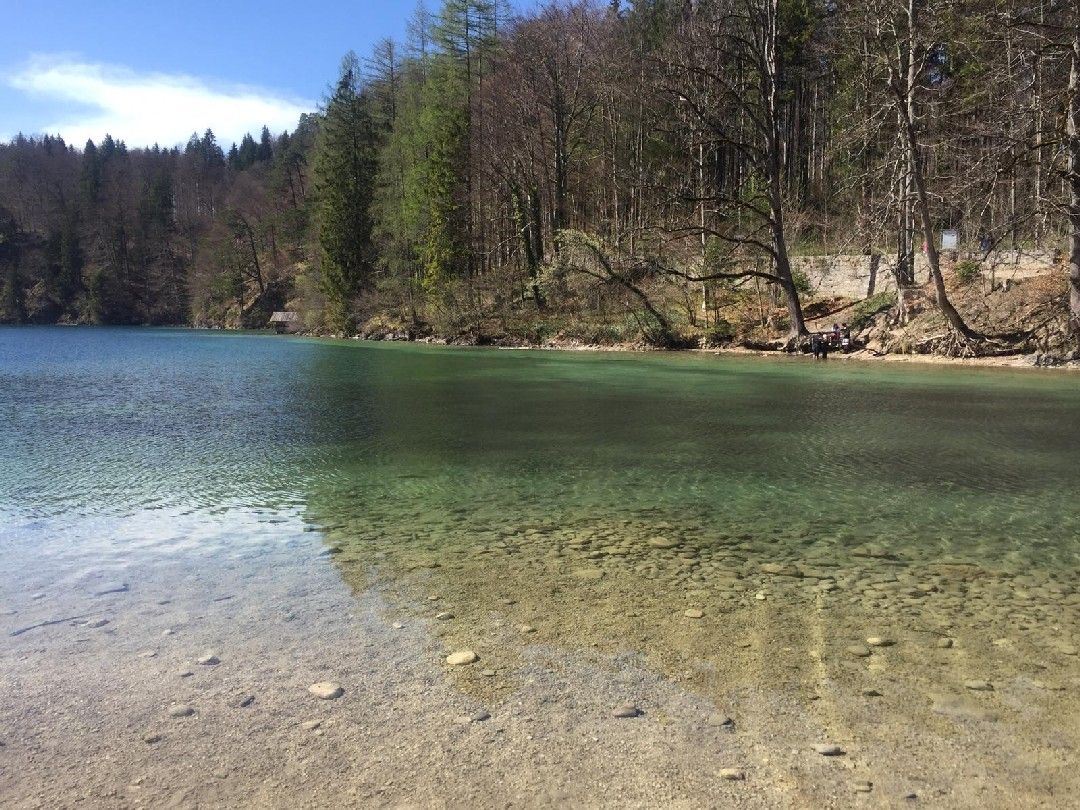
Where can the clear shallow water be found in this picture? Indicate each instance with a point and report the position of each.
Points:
(440, 445)
(730, 529)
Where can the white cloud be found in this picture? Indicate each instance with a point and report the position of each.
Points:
(146, 108)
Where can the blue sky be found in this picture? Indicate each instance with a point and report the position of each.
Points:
(152, 71)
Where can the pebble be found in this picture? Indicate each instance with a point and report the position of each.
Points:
(828, 749)
(863, 787)
(168, 632)
(398, 626)
(488, 673)
(1067, 649)
(781, 570)
(732, 774)
(944, 643)
(721, 721)
(870, 693)
(462, 658)
(209, 660)
(118, 587)
(627, 710)
(480, 716)
(97, 623)
(150, 739)
(181, 711)
(878, 641)
(326, 690)
(760, 596)
(148, 654)
(858, 650)
(245, 701)
(694, 613)
(444, 616)
(187, 673)
(663, 542)
(310, 725)
(979, 686)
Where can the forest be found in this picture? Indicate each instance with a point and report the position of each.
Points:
(645, 171)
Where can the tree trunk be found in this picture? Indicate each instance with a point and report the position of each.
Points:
(933, 257)
(774, 160)
(1073, 131)
(906, 105)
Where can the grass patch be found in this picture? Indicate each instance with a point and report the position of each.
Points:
(865, 311)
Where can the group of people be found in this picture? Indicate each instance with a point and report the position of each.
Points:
(821, 343)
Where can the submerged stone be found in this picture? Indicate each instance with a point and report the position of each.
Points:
(326, 690)
(663, 542)
(462, 658)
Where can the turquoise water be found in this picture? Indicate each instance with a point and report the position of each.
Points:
(428, 441)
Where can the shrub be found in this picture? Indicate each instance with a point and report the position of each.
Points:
(802, 282)
(721, 334)
(864, 311)
(967, 271)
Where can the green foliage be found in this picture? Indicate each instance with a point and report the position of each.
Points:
(967, 271)
(441, 189)
(864, 311)
(344, 176)
(720, 334)
(108, 299)
(801, 281)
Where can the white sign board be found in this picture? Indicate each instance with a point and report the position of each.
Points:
(950, 240)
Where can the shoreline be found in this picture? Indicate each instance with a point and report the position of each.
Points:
(1033, 361)
(1013, 361)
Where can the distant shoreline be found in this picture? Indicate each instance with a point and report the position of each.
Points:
(1012, 361)
(1015, 361)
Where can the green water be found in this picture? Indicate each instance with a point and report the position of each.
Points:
(427, 442)
(734, 529)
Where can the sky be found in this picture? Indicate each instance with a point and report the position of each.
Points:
(154, 72)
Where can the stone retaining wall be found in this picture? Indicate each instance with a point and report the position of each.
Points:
(861, 276)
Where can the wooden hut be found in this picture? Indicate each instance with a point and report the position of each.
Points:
(285, 322)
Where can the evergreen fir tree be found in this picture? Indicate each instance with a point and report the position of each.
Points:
(344, 180)
(265, 151)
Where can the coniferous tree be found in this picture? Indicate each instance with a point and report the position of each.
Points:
(265, 151)
(247, 153)
(344, 184)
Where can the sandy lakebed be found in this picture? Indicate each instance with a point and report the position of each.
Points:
(108, 705)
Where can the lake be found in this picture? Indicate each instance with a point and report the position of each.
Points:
(815, 552)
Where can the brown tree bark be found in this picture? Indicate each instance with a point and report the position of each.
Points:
(906, 106)
(1073, 132)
